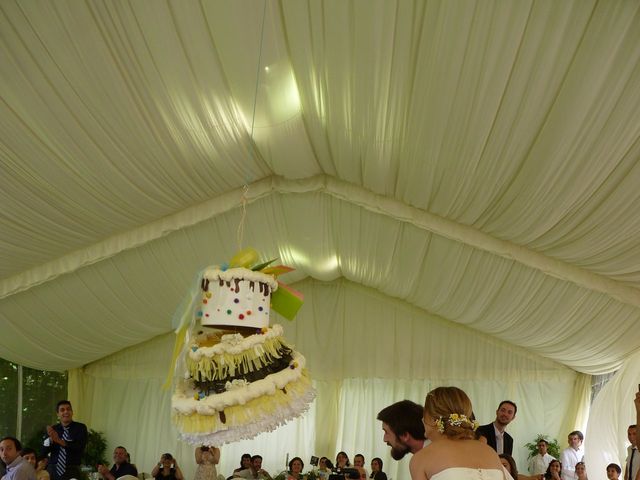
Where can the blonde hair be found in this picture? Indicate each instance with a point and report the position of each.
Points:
(443, 402)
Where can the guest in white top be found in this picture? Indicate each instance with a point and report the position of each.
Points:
(572, 455)
(540, 461)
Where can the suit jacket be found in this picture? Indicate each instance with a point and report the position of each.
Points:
(489, 432)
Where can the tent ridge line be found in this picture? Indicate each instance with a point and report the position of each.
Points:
(475, 238)
(136, 237)
(133, 238)
(338, 189)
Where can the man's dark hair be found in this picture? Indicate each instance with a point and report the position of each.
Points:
(63, 402)
(256, 457)
(509, 402)
(615, 466)
(543, 440)
(403, 417)
(630, 426)
(15, 441)
(120, 446)
(27, 451)
(578, 433)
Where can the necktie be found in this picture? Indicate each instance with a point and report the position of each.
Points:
(633, 451)
(61, 465)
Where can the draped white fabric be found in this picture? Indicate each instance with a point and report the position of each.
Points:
(364, 352)
(470, 161)
(135, 292)
(612, 412)
(478, 160)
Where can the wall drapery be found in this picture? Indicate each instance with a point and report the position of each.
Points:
(364, 352)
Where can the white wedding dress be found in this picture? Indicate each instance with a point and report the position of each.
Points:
(462, 473)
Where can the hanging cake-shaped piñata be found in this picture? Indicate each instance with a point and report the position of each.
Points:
(236, 375)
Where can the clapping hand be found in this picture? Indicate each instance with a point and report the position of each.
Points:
(53, 435)
(102, 470)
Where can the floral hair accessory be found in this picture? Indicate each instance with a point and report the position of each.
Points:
(456, 420)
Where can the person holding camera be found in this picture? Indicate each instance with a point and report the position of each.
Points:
(167, 469)
(207, 458)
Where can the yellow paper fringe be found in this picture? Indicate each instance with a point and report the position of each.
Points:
(177, 348)
(225, 365)
(237, 415)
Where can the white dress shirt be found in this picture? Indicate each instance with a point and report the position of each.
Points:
(569, 457)
(538, 464)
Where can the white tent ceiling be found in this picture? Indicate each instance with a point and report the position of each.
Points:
(479, 160)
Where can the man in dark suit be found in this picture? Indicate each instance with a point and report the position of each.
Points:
(66, 443)
(494, 433)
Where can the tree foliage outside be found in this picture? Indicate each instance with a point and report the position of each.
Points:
(8, 398)
(41, 390)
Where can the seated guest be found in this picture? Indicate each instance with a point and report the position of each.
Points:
(613, 471)
(358, 464)
(324, 468)
(342, 460)
(295, 469)
(167, 469)
(554, 471)
(509, 464)
(376, 470)
(581, 471)
(41, 469)
(121, 466)
(29, 454)
(255, 471)
(17, 468)
(245, 462)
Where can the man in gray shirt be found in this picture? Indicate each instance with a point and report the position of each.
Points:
(17, 467)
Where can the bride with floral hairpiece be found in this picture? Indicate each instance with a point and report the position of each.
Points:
(453, 453)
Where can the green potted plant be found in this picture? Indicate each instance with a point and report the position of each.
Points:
(553, 449)
(94, 453)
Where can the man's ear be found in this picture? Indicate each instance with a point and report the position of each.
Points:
(405, 437)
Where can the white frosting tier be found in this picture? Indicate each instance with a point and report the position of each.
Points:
(228, 275)
(236, 297)
(183, 400)
(235, 343)
(266, 423)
